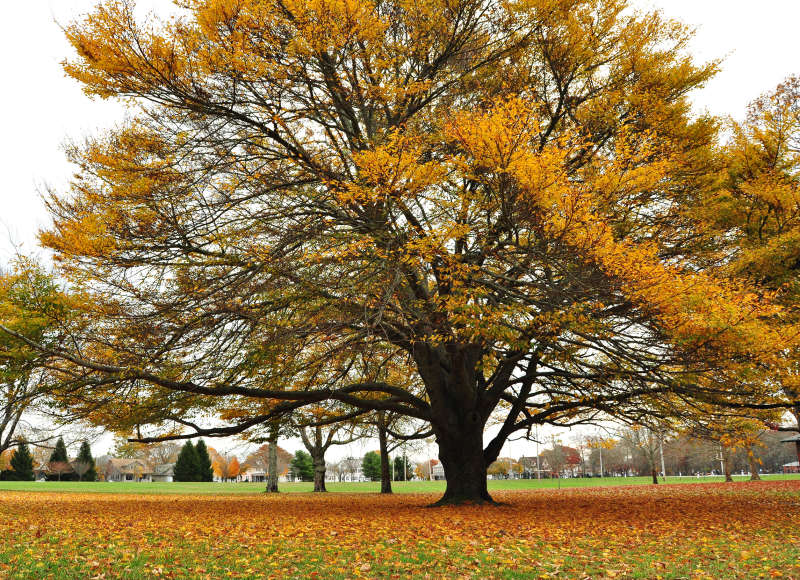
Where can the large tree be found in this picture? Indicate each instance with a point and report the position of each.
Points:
(495, 196)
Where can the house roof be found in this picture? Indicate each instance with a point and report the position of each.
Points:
(792, 439)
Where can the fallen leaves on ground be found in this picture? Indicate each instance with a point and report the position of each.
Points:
(746, 530)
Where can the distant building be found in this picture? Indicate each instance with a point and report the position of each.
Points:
(793, 467)
(164, 472)
(128, 470)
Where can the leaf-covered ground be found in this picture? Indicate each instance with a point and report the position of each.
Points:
(741, 530)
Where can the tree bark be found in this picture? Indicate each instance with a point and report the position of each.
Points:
(727, 461)
(654, 473)
(272, 480)
(465, 471)
(754, 476)
(458, 418)
(319, 471)
(386, 478)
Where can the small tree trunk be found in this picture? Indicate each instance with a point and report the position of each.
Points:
(754, 476)
(654, 473)
(727, 460)
(386, 479)
(319, 472)
(272, 479)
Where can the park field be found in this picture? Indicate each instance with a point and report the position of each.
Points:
(739, 530)
(400, 487)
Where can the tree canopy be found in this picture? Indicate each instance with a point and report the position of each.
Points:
(450, 210)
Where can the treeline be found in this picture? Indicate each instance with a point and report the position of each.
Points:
(18, 464)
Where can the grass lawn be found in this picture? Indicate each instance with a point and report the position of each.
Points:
(370, 487)
(739, 530)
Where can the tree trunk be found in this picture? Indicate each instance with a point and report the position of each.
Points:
(654, 473)
(386, 478)
(727, 461)
(754, 476)
(458, 417)
(465, 471)
(319, 471)
(272, 481)
(464, 463)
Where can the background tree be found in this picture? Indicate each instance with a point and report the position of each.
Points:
(30, 303)
(647, 442)
(371, 466)
(22, 463)
(403, 468)
(502, 467)
(84, 464)
(424, 469)
(204, 469)
(597, 444)
(754, 221)
(60, 470)
(155, 453)
(318, 439)
(225, 466)
(262, 459)
(302, 467)
(59, 451)
(186, 466)
(497, 196)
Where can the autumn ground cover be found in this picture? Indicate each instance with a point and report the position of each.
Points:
(742, 530)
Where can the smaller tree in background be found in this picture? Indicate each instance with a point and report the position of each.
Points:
(403, 470)
(371, 466)
(59, 452)
(225, 466)
(22, 463)
(84, 465)
(186, 464)
(204, 470)
(59, 464)
(302, 466)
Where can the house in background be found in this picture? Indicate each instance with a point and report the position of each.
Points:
(793, 467)
(128, 470)
(164, 472)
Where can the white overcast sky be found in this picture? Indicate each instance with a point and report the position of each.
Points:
(41, 108)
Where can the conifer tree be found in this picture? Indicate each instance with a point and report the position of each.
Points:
(186, 465)
(60, 452)
(85, 459)
(22, 463)
(204, 472)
